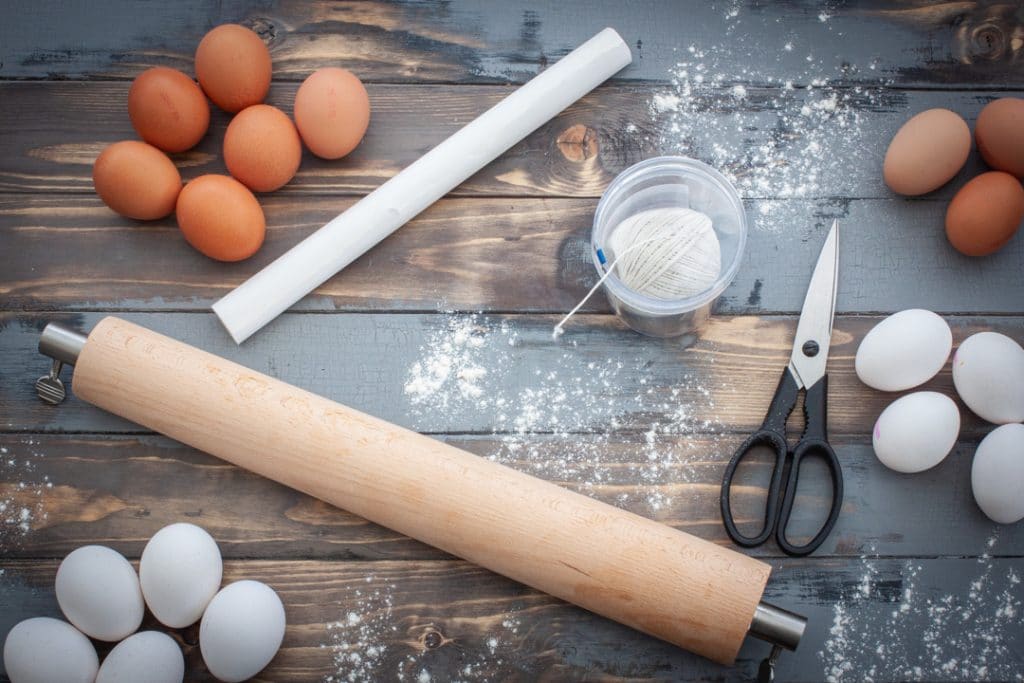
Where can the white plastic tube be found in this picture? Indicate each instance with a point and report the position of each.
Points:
(313, 261)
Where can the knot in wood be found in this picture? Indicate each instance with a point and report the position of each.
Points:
(988, 41)
(578, 143)
(432, 640)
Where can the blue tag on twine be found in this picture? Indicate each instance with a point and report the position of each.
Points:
(601, 258)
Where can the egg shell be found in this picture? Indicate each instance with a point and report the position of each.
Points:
(988, 373)
(332, 112)
(98, 591)
(242, 630)
(985, 214)
(180, 572)
(167, 109)
(233, 66)
(904, 350)
(45, 650)
(997, 474)
(916, 432)
(926, 152)
(999, 132)
(148, 656)
(262, 149)
(136, 180)
(221, 218)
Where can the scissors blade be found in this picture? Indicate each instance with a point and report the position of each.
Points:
(814, 331)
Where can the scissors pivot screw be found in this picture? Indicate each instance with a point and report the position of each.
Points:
(810, 348)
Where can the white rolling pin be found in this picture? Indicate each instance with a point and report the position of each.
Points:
(313, 261)
(664, 582)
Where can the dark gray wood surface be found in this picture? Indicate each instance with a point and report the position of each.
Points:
(914, 43)
(498, 630)
(914, 584)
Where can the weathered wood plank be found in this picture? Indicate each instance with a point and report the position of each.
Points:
(491, 255)
(121, 489)
(898, 619)
(965, 43)
(500, 374)
(762, 139)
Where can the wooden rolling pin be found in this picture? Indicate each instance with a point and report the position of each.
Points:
(658, 580)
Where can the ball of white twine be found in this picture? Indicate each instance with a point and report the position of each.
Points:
(668, 253)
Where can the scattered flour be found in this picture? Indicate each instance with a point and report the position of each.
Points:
(22, 492)
(453, 361)
(358, 640)
(560, 424)
(968, 635)
(779, 141)
(366, 643)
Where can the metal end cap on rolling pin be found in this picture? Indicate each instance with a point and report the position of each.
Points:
(777, 626)
(61, 343)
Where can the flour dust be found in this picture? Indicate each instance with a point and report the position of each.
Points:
(22, 492)
(792, 138)
(359, 640)
(560, 423)
(970, 634)
(366, 643)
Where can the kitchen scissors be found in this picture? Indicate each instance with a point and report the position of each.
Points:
(806, 371)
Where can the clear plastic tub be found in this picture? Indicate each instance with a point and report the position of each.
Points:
(666, 182)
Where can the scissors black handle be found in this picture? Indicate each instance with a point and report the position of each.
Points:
(814, 443)
(786, 471)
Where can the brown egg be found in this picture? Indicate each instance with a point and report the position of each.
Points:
(167, 109)
(999, 133)
(262, 148)
(985, 213)
(136, 180)
(332, 112)
(233, 66)
(221, 218)
(926, 152)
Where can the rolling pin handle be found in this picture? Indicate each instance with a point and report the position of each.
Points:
(766, 672)
(62, 345)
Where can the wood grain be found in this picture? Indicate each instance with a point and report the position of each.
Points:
(966, 43)
(45, 148)
(71, 253)
(120, 489)
(489, 628)
(725, 379)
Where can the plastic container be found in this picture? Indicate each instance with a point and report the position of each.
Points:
(665, 182)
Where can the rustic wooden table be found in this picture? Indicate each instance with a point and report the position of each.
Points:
(445, 327)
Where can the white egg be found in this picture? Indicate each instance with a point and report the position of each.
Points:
(916, 432)
(904, 350)
(180, 571)
(988, 371)
(98, 591)
(45, 650)
(997, 475)
(148, 656)
(242, 630)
